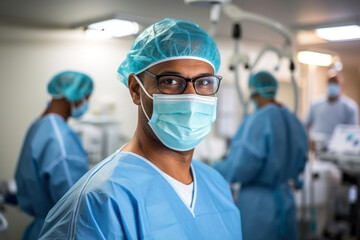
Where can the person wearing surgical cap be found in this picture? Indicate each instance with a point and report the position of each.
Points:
(268, 151)
(52, 158)
(151, 188)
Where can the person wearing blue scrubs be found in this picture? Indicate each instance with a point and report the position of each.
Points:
(52, 158)
(151, 188)
(329, 111)
(268, 151)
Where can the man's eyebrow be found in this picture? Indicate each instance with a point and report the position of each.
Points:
(170, 73)
(180, 74)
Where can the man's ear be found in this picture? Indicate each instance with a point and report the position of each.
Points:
(134, 89)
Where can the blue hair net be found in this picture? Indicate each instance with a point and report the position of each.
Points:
(264, 84)
(166, 40)
(71, 85)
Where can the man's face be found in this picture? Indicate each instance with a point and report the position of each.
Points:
(334, 86)
(187, 68)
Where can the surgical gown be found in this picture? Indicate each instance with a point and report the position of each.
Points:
(127, 197)
(52, 159)
(269, 148)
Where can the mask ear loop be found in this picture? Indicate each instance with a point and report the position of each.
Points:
(143, 88)
(72, 105)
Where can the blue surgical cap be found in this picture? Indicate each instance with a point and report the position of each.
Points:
(264, 84)
(71, 85)
(169, 39)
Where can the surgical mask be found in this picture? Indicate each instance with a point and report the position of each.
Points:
(333, 89)
(77, 112)
(181, 121)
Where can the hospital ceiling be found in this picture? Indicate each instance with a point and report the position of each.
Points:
(296, 14)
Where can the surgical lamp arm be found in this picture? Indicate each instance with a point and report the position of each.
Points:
(263, 51)
(236, 14)
(214, 17)
(3, 223)
(285, 52)
(236, 59)
(282, 53)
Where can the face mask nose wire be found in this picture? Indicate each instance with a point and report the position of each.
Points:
(143, 88)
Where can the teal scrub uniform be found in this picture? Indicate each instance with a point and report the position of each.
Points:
(268, 150)
(52, 159)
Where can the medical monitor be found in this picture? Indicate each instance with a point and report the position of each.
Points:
(345, 140)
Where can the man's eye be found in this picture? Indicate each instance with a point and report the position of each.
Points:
(171, 81)
(203, 81)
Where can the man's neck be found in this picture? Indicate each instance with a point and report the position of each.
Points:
(333, 99)
(60, 107)
(263, 102)
(173, 163)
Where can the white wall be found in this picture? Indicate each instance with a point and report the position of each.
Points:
(28, 61)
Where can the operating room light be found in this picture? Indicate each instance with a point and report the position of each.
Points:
(340, 33)
(113, 28)
(314, 58)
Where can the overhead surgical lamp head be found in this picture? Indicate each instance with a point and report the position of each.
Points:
(215, 11)
(206, 2)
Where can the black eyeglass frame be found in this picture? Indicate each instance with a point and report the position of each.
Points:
(157, 77)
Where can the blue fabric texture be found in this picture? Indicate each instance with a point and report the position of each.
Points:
(264, 84)
(166, 40)
(127, 197)
(52, 159)
(269, 148)
(70, 84)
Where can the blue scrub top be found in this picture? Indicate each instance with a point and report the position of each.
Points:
(127, 197)
(269, 148)
(52, 159)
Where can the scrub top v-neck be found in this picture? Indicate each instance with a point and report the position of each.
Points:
(127, 197)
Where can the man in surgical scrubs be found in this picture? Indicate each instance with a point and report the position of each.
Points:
(268, 150)
(328, 111)
(151, 188)
(52, 158)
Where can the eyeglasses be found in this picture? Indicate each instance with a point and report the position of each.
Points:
(174, 84)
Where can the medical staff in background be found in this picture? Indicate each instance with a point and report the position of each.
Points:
(151, 188)
(52, 158)
(268, 151)
(329, 111)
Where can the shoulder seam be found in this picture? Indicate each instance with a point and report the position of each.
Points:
(58, 135)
